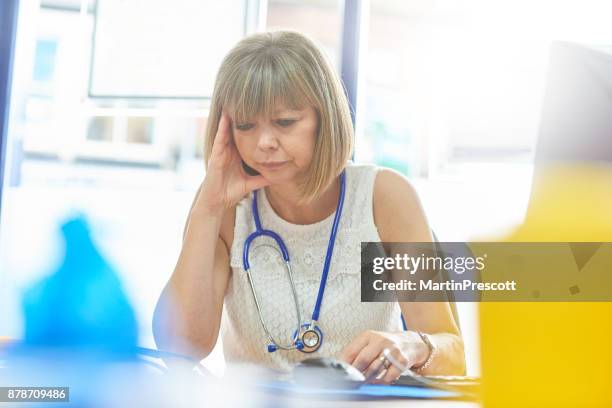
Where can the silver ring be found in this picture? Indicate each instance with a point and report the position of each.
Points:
(389, 357)
(385, 362)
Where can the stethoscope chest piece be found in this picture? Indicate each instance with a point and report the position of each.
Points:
(310, 338)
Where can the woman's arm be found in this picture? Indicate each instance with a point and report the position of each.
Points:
(188, 314)
(399, 217)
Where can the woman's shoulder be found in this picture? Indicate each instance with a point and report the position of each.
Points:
(396, 204)
(387, 183)
(392, 185)
(383, 188)
(382, 176)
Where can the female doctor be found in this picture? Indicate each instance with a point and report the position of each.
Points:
(277, 150)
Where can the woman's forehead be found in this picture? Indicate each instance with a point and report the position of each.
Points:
(260, 97)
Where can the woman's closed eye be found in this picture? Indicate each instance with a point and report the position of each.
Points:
(285, 122)
(244, 126)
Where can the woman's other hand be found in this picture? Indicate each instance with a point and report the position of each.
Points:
(366, 350)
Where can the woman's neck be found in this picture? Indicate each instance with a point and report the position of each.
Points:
(285, 200)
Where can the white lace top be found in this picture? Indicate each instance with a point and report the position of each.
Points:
(342, 317)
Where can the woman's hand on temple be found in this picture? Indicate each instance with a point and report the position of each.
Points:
(366, 350)
(226, 181)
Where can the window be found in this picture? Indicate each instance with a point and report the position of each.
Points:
(319, 20)
(458, 82)
(131, 164)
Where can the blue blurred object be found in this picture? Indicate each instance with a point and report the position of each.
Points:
(82, 304)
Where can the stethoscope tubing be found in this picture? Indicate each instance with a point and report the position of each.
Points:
(330, 250)
(260, 232)
(259, 312)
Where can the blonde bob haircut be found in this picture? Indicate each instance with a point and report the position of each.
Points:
(284, 68)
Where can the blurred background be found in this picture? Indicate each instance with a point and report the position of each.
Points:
(110, 99)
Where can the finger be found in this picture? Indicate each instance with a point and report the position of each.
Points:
(366, 357)
(375, 369)
(394, 372)
(224, 131)
(222, 136)
(350, 352)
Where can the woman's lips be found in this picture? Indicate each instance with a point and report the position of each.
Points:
(273, 165)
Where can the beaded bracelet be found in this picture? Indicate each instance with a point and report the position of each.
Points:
(430, 357)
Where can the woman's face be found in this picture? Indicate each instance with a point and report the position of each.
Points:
(279, 147)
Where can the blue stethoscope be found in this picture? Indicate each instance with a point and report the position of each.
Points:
(307, 337)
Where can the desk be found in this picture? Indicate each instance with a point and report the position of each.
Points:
(133, 384)
(299, 403)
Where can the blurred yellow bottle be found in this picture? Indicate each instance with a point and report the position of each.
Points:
(554, 354)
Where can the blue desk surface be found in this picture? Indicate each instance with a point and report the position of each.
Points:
(365, 391)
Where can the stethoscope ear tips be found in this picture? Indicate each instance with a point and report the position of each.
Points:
(299, 345)
(272, 348)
